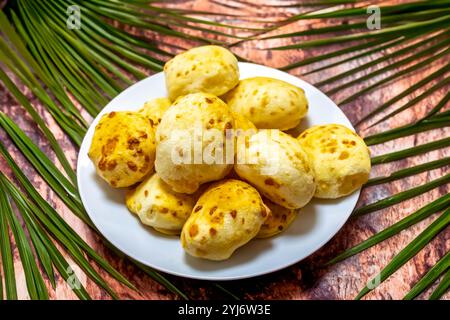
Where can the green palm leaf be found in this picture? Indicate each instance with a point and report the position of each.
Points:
(421, 214)
(60, 235)
(421, 126)
(35, 282)
(431, 276)
(406, 92)
(402, 196)
(45, 207)
(403, 51)
(57, 221)
(375, 44)
(436, 22)
(56, 180)
(386, 44)
(410, 250)
(35, 116)
(409, 70)
(76, 58)
(397, 155)
(416, 35)
(39, 156)
(414, 101)
(6, 252)
(442, 287)
(409, 171)
(385, 10)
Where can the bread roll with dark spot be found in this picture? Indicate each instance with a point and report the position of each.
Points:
(227, 216)
(280, 219)
(340, 159)
(154, 110)
(279, 168)
(123, 148)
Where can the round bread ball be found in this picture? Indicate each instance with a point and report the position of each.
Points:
(268, 103)
(279, 168)
(340, 158)
(154, 110)
(193, 146)
(210, 69)
(227, 216)
(123, 148)
(158, 206)
(244, 130)
(242, 122)
(279, 220)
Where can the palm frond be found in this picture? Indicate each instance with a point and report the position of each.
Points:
(96, 51)
(406, 92)
(6, 252)
(56, 180)
(91, 65)
(424, 124)
(440, 267)
(60, 231)
(437, 205)
(36, 157)
(402, 196)
(397, 155)
(34, 280)
(414, 68)
(410, 250)
(386, 44)
(412, 102)
(403, 51)
(387, 11)
(403, 173)
(442, 288)
(436, 22)
(414, 36)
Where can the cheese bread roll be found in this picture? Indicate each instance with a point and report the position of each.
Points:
(268, 103)
(279, 168)
(279, 220)
(244, 130)
(242, 122)
(227, 216)
(123, 148)
(158, 206)
(340, 159)
(154, 110)
(193, 146)
(210, 69)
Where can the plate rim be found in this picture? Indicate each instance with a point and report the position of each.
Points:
(207, 277)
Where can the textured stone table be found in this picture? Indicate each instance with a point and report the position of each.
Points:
(306, 279)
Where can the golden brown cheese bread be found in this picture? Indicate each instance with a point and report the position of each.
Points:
(280, 219)
(154, 110)
(242, 122)
(227, 216)
(192, 142)
(244, 130)
(210, 69)
(279, 168)
(340, 159)
(123, 148)
(268, 103)
(158, 206)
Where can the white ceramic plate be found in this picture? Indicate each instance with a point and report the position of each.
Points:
(317, 223)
